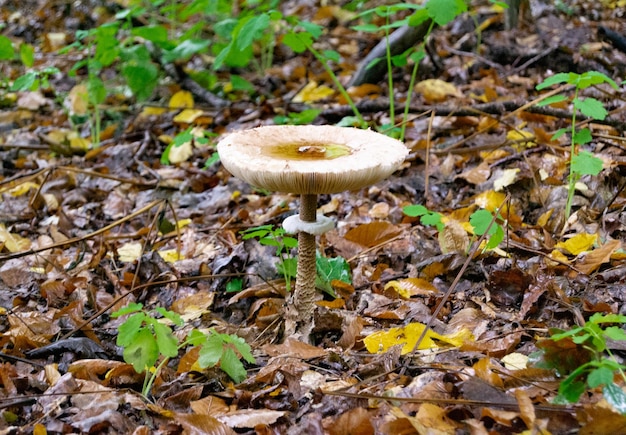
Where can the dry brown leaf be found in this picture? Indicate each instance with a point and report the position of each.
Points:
(372, 234)
(594, 259)
(354, 421)
(294, 348)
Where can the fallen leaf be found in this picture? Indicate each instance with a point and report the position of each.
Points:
(313, 92)
(381, 341)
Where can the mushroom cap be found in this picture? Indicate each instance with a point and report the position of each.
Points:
(310, 159)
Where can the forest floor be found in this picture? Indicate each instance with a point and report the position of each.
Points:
(86, 230)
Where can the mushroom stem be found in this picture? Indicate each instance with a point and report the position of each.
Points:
(303, 298)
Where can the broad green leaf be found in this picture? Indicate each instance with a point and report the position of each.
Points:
(444, 11)
(331, 55)
(234, 285)
(250, 30)
(329, 269)
(591, 107)
(27, 54)
(369, 28)
(242, 347)
(600, 376)
(166, 342)
(572, 391)
(211, 351)
(551, 100)
(141, 78)
(607, 318)
(214, 158)
(480, 221)
(233, 367)
(418, 17)
(171, 316)
(315, 30)
(196, 338)
(557, 134)
(6, 48)
(97, 91)
(241, 84)
(496, 238)
(615, 333)
(154, 33)
(554, 80)
(585, 163)
(142, 352)
(128, 331)
(415, 210)
(186, 49)
(582, 136)
(298, 42)
(128, 309)
(26, 82)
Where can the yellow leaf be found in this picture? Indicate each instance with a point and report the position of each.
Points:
(411, 287)
(13, 242)
(180, 153)
(515, 361)
(313, 92)
(489, 200)
(579, 243)
(507, 178)
(171, 255)
(436, 90)
(152, 111)
(188, 116)
(181, 100)
(380, 342)
(24, 188)
(558, 255)
(79, 143)
(129, 252)
(544, 218)
(518, 137)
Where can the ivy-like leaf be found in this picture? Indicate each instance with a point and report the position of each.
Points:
(444, 11)
(591, 107)
(585, 163)
(142, 352)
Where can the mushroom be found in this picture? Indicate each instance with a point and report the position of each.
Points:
(309, 160)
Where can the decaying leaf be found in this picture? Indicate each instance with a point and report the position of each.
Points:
(380, 342)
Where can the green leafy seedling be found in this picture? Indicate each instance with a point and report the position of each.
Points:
(599, 366)
(144, 338)
(480, 221)
(268, 235)
(223, 349)
(329, 270)
(581, 162)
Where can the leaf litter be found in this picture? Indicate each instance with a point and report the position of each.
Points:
(86, 231)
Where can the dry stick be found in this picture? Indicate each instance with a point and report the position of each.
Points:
(470, 257)
(81, 238)
(512, 405)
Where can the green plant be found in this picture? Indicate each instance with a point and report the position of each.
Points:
(301, 41)
(480, 221)
(268, 235)
(584, 357)
(439, 12)
(146, 340)
(581, 162)
(328, 269)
